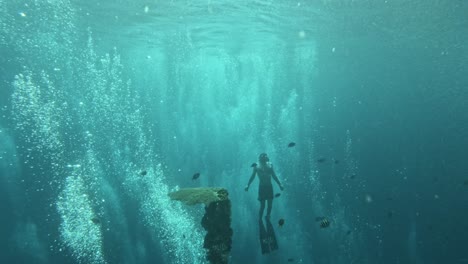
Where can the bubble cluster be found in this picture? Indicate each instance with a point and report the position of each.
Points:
(39, 113)
(84, 130)
(173, 226)
(79, 232)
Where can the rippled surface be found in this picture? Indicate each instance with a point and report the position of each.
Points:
(209, 23)
(235, 24)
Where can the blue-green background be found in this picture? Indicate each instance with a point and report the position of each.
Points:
(94, 92)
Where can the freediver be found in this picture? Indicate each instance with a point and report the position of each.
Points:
(265, 172)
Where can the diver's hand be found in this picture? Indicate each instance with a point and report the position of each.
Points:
(246, 188)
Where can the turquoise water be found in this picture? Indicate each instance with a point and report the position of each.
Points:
(374, 93)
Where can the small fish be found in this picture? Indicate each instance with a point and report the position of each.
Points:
(291, 144)
(352, 176)
(253, 165)
(324, 223)
(143, 173)
(196, 176)
(96, 220)
(348, 233)
(390, 214)
(281, 222)
(290, 260)
(277, 195)
(321, 160)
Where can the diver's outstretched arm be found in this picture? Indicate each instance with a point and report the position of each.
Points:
(252, 177)
(273, 174)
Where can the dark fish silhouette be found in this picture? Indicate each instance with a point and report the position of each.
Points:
(321, 160)
(290, 260)
(292, 144)
(277, 195)
(348, 233)
(96, 220)
(196, 176)
(253, 165)
(390, 214)
(143, 173)
(352, 176)
(281, 222)
(324, 223)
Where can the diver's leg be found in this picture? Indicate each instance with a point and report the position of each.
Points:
(262, 208)
(270, 205)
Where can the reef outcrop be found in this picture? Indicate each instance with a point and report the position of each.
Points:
(216, 220)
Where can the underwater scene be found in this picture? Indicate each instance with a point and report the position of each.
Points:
(234, 131)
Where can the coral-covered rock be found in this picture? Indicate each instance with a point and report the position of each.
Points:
(204, 195)
(216, 221)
